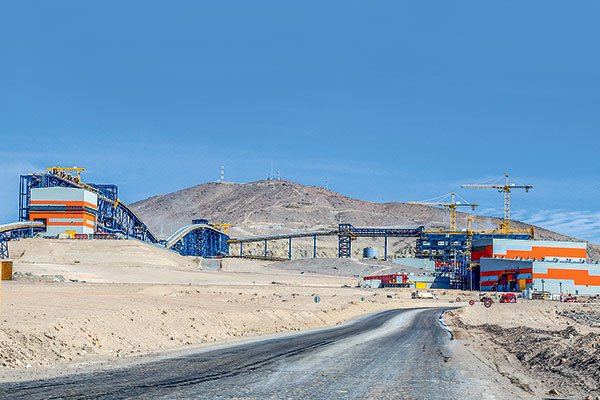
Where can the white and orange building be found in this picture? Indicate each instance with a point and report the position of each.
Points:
(553, 266)
(64, 210)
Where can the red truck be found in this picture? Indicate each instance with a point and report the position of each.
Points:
(508, 298)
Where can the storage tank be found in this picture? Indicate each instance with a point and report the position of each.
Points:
(369, 252)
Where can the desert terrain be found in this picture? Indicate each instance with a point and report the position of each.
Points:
(78, 306)
(548, 348)
(81, 304)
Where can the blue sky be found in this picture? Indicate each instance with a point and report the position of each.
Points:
(380, 100)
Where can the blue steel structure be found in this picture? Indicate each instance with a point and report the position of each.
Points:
(115, 217)
(17, 230)
(285, 236)
(199, 239)
(347, 232)
(3, 246)
(444, 246)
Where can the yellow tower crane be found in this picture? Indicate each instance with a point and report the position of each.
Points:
(506, 189)
(451, 206)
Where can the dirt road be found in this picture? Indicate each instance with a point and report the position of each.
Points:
(388, 355)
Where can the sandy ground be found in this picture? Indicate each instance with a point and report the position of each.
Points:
(550, 349)
(129, 299)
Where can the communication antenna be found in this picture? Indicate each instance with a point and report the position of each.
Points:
(222, 173)
(278, 176)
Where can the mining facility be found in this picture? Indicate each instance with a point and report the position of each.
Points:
(58, 204)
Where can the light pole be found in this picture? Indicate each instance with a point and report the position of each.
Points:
(561, 293)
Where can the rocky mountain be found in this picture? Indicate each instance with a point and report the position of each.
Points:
(273, 206)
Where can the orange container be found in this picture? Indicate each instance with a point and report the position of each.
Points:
(7, 270)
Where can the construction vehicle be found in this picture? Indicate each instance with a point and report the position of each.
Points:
(508, 298)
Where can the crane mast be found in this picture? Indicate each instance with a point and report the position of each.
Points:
(506, 190)
(451, 206)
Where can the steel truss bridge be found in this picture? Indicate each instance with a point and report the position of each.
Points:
(199, 239)
(346, 233)
(115, 217)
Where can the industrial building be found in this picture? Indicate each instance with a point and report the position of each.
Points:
(550, 250)
(559, 277)
(541, 265)
(64, 210)
(58, 203)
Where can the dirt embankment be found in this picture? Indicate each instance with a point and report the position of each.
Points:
(549, 348)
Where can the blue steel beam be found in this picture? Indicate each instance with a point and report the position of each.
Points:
(3, 246)
(385, 247)
(380, 232)
(344, 246)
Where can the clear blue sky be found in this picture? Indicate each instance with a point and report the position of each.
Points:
(380, 100)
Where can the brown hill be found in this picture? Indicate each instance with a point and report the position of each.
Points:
(271, 206)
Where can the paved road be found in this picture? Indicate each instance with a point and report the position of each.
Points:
(397, 354)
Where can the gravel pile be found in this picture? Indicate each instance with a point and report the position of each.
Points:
(567, 357)
(589, 317)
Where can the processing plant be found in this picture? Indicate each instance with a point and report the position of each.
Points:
(58, 203)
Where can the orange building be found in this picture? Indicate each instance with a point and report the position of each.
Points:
(553, 266)
(550, 250)
(559, 277)
(64, 210)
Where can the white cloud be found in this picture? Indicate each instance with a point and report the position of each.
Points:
(579, 224)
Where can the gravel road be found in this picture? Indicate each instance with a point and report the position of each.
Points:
(396, 354)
